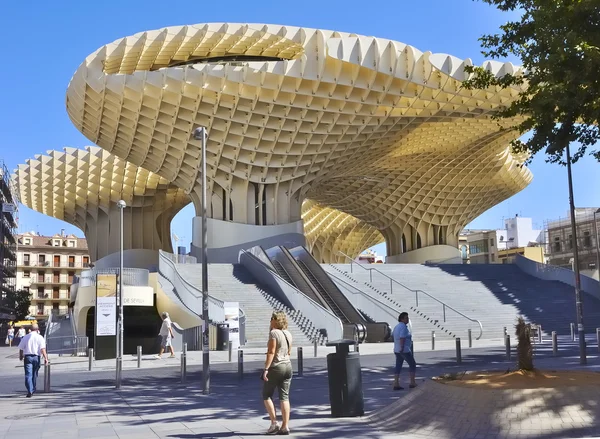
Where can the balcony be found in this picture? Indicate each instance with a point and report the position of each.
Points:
(50, 280)
(50, 296)
(51, 264)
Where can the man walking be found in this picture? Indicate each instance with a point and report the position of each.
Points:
(166, 336)
(30, 348)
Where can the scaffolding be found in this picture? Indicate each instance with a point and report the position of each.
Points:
(559, 239)
(8, 239)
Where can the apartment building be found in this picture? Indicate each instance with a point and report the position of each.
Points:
(560, 240)
(47, 266)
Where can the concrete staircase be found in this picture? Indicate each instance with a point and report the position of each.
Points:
(494, 294)
(233, 283)
(421, 324)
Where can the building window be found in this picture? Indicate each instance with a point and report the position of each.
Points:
(71, 243)
(26, 289)
(26, 257)
(56, 243)
(71, 276)
(26, 241)
(491, 242)
(587, 239)
(570, 242)
(493, 258)
(40, 309)
(27, 274)
(86, 261)
(55, 293)
(557, 244)
(40, 293)
(71, 261)
(42, 260)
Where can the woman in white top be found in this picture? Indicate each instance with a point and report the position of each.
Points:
(10, 336)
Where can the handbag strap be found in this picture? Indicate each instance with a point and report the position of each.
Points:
(287, 341)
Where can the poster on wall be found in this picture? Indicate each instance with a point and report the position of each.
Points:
(232, 316)
(106, 305)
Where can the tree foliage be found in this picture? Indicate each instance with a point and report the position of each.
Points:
(558, 43)
(20, 301)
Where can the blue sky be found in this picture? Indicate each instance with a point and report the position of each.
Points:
(42, 44)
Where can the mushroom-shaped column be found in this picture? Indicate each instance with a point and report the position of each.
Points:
(82, 187)
(290, 111)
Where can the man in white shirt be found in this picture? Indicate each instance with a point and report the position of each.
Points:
(166, 335)
(30, 348)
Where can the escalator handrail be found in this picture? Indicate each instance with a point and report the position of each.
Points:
(352, 261)
(302, 264)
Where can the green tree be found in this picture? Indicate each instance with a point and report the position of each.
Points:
(558, 44)
(20, 301)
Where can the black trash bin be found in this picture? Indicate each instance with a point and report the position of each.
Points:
(345, 381)
(222, 336)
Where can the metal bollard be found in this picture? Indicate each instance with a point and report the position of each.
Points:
(184, 363)
(300, 362)
(433, 340)
(458, 351)
(470, 334)
(230, 348)
(90, 358)
(316, 344)
(572, 331)
(139, 356)
(540, 338)
(47, 378)
(241, 364)
(507, 345)
(505, 332)
(554, 344)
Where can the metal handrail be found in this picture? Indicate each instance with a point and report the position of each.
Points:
(392, 281)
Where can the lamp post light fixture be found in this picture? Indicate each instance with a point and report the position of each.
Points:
(121, 205)
(578, 296)
(201, 134)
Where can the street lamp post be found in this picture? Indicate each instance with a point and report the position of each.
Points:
(597, 244)
(121, 205)
(200, 134)
(575, 247)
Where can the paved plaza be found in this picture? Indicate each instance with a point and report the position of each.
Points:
(154, 403)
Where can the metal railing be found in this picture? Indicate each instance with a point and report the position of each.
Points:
(131, 276)
(189, 295)
(416, 292)
(181, 259)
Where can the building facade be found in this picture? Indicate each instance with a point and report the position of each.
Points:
(47, 267)
(501, 246)
(560, 241)
(8, 243)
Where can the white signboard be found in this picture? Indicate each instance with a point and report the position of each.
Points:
(106, 305)
(106, 316)
(232, 317)
(9, 208)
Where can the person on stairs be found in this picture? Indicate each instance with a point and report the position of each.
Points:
(403, 351)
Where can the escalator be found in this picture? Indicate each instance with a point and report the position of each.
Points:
(339, 303)
(286, 267)
(299, 269)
